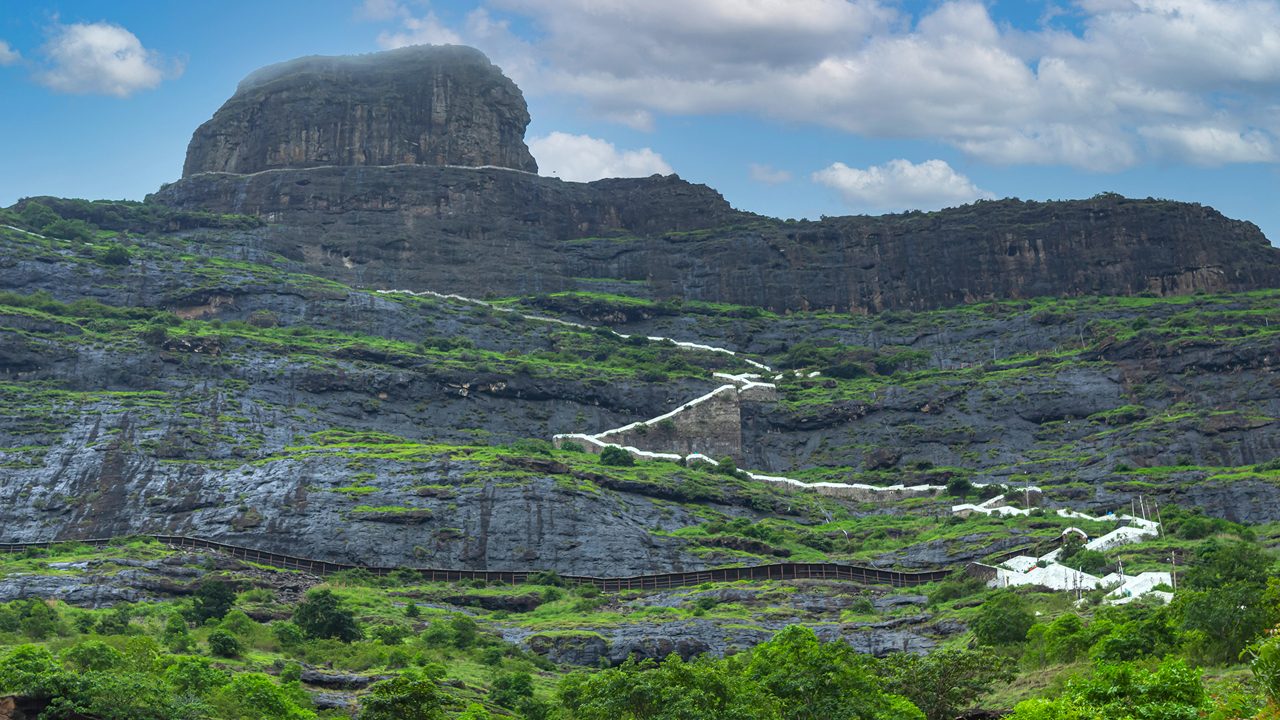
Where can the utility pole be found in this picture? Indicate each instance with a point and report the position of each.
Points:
(1173, 576)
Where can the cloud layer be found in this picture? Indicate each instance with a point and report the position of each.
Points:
(583, 158)
(100, 59)
(1107, 85)
(8, 55)
(768, 175)
(900, 185)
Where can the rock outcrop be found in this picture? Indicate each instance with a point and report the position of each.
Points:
(420, 105)
(343, 157)
(461, 230)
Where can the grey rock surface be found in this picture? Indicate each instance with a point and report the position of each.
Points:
(459, 230)
(441, 105)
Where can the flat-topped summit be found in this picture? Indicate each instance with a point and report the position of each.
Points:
(419, 105)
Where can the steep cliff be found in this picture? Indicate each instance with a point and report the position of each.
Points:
(459, 230)
(343, 157)
(432, 105)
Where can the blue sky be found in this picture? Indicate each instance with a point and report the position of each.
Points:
(792, 108)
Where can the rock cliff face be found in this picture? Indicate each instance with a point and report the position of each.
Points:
(460, 230)
(421, 105)
(350, 143)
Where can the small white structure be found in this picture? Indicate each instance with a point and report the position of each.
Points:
(1046, 571)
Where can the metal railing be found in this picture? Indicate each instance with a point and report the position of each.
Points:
(655, 581)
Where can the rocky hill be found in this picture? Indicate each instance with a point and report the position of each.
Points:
(444, 105)
(222, 361)
(353, 190)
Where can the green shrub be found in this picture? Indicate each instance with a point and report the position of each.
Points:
(1002, 620)
(37, 216)
(616, 456)
(406, 697)
(213, 600)
(254, 696)
(509, 689)
(93, 655)
(321, 615)
(287, 634)
(115, 254)
(463, 630)
(75, 230)
(224, 644)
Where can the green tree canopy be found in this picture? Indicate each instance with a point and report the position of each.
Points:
(945, 682)
(406, 697)
(321, 615)
(1003, 619)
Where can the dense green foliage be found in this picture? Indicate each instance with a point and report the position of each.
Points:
(792, 677)
(1111, 662)
(321, 616)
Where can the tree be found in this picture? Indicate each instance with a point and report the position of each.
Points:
(1223, 621)
(613, 455)
(93, 655)
(1121, 691)
(117, 254)
(404, 697)
(945, 682)
(1265, 664)
(38, 216)
(224, 644)
(1002, 620)
(194, 676)
(509, 689)
(37, 619)
(64, 229)
(176, 635)
(253, 696)
(814, 680)
(26, 669)
(672, 690)
(463, 630)
(1222, 562)
(1093, 562)
(213, 600)
(321, 615)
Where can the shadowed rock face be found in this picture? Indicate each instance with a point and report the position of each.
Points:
(461, 230)
(421, 105)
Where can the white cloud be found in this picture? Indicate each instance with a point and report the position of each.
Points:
(8, 55)
(583, 158)
(1210, 145)
(480, 30)
(426, 30)
(768, 175)
(101, 58)
(381, 10)
(1104, 89)
(900, 185)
